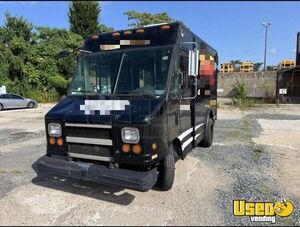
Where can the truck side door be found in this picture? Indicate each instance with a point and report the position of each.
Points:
(206, 99)
(201, 101)
(186, 109)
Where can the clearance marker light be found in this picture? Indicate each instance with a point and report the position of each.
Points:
(140, 31)
(165, 27)
(116, 34)
(94, 37)
(127, 33)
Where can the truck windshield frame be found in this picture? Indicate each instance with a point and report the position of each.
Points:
(137, 71)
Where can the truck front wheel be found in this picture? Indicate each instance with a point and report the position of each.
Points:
(167, 171)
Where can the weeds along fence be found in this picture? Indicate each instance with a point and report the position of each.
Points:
(256, 84)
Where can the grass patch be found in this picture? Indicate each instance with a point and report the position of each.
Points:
(219, 105)
(266, 190)
(257, 153)
(246, 124)
(234, 133)
(2, 171)
(258, 150)
(287, 221)
(245, 104)
(14, 171)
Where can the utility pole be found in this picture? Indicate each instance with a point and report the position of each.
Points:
(266, 25)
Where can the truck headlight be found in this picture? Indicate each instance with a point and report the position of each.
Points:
(130, 135)
(54, 129)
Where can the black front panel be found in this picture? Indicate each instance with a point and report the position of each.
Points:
(96, 133)
(88, 149)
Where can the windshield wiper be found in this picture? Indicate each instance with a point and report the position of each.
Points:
(119, 71)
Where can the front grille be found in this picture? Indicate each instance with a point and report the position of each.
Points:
(88, 149)
(88, 141)
(97, 133)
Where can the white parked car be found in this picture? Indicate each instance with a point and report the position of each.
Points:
(13, 101)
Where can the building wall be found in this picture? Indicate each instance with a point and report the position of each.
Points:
(258, 84)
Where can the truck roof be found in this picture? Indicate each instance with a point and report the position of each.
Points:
(157, 34)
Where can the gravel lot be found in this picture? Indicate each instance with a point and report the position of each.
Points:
(255, 156)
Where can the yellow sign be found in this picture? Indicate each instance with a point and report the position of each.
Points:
(262, 211)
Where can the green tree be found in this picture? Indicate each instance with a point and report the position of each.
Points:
(103, 28)
(84, 17)
(14, 38)
(4, 64)
(236, 65)
(16, 27)
(270, 68)
(28, 59)
(142, 19)
(256, 66)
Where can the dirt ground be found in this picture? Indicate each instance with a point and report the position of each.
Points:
(255, 156)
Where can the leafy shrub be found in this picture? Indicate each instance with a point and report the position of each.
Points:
(43, 95)
(239, 89)
(59, 83)
(240, 98)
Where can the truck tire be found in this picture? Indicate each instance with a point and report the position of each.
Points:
(208, 134)
(167, 171)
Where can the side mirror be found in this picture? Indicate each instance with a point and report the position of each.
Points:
(193, 62)
(63, 54)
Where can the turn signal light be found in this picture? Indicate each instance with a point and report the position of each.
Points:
(52, 140)
(126, 148)
(140, 31)
(137, 149)
(60, 141)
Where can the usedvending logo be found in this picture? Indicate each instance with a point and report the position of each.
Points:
(262, 211)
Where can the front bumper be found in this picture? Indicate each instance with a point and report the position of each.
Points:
(139, 180)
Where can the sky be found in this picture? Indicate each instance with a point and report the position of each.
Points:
(233, 28)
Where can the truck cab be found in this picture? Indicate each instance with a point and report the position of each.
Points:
(140, 99)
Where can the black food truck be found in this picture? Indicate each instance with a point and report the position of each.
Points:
(140, 100)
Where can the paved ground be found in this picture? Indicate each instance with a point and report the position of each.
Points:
(255, 156)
